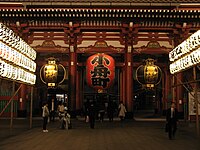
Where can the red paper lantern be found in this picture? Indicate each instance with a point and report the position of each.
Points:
(100, 71)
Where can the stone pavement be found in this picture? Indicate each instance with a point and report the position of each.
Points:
(127, 135)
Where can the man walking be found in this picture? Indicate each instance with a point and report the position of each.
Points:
(172, 118)
(92, 114)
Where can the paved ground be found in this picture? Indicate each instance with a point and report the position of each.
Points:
(129, 135)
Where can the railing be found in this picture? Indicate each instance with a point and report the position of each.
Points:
(11, 99)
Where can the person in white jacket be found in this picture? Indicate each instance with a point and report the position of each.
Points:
(45, 115)
(122, 111)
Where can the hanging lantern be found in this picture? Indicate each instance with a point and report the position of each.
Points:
(148, 75)
(100, 71)
(51, 73)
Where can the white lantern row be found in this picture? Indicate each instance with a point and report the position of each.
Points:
(14, 41)
(185, 62)
(192, 43)
(16, 57)
(15, 73)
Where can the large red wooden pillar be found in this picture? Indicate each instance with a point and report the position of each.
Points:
(178, 78)
(72, 78)
(22, 101)
(79, 89)
(123, 85)
(73, 83)
(179, 93)
(166, 90)
(181, 34)
(72, 68)
(129, 79)
(22, 97)
(129, 31)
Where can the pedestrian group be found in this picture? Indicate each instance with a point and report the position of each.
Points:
(92, 112)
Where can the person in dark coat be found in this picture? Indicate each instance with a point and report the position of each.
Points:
(110, 110)
(86, 109)
(92, 114)
(102, 111)
(172, 118)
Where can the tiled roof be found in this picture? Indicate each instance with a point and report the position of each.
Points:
(96, 13)
(109, 1)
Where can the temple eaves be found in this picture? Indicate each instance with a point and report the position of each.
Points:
(106, 3)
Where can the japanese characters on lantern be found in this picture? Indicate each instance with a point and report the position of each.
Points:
(185, 55)
(149, 74)
(16, 73)
(8, 37)
(100, 71)
(52, 73)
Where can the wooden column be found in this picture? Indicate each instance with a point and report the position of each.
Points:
(22, 98)
(72, 67)
(122, 85)
(81, 87)
(165, 90)
(78, 89)
(196, 100)
(72, 79)
(179, 91)
(129, 79)
(12, 106)
(31, 108)
(173, 88)
(179, 37)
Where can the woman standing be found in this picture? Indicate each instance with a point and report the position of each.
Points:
(122, 111)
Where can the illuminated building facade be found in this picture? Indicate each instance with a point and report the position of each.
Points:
(129, 31)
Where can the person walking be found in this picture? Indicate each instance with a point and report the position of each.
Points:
(45, 115)
(86, 110)
(61, 113)
(52, 110)
(92, 114)
(122, 111)
(61, 109)
(101, 111)
(171, 120)
(110, 110)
